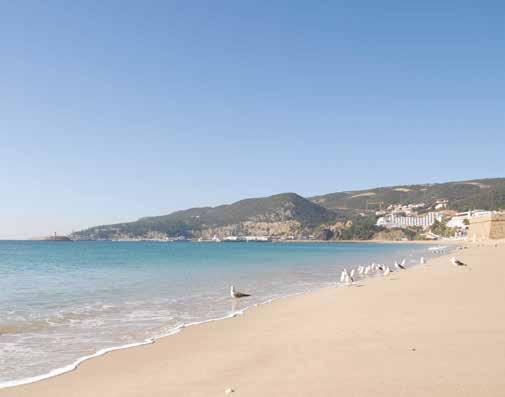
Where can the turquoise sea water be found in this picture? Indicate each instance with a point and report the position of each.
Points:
(61, 301)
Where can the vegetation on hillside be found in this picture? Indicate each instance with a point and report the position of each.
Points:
(441, 229)
(361, 228)
(487, 194)
(278, 208)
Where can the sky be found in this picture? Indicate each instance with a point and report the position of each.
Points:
(114, 110)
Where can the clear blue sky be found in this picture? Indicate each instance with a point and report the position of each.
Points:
(112, 110)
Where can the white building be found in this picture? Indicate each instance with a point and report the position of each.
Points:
(393, 220)
(458, 221)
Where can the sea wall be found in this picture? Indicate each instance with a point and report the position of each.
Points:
(487, 227)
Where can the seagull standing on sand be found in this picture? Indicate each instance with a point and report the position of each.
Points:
(236, 294)
(457, 262)
(422, 261)
(387, 271)
(343, 275)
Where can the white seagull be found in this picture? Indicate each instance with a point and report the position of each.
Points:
(400, 265)
(422, 261)
(457, 262)
(387, 271)
(237, 294)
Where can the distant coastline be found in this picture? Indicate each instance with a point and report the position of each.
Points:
(397, 213)
(52, 238)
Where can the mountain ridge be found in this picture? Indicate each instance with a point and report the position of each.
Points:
(288, 214)
(488, 193)
(286, 211)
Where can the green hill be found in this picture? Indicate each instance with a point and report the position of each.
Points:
(274, 209)
(488, 194)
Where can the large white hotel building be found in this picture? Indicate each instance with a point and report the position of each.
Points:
(393, 220)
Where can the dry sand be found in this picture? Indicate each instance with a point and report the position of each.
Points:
(434, 330)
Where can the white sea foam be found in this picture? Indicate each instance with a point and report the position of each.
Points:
(438, 248)
(101, 352)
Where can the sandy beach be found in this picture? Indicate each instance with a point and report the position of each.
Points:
(433, 330)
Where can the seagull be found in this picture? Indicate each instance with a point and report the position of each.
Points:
(236, 294)
(422, 261)
(387, 271)
(349, 279)
(400, 265)
(343, 275)
(403, 262)
(457, 262)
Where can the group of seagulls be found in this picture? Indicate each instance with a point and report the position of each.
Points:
(349, 277)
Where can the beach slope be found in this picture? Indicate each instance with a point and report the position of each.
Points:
(433, 330)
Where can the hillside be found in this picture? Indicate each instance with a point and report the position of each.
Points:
(279, 214)
(288, 214)
(486, 194)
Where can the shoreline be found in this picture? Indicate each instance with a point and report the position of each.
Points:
(140, 348)
(262, 242)
(73, 366)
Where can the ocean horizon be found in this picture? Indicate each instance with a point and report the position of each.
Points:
(62, 302)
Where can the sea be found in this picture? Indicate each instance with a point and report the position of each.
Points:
(64, 302)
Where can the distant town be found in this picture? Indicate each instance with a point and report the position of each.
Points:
(451, 224)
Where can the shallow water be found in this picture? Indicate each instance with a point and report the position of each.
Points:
(61, 301)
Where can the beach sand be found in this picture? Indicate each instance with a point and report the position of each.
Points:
(433, 330)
